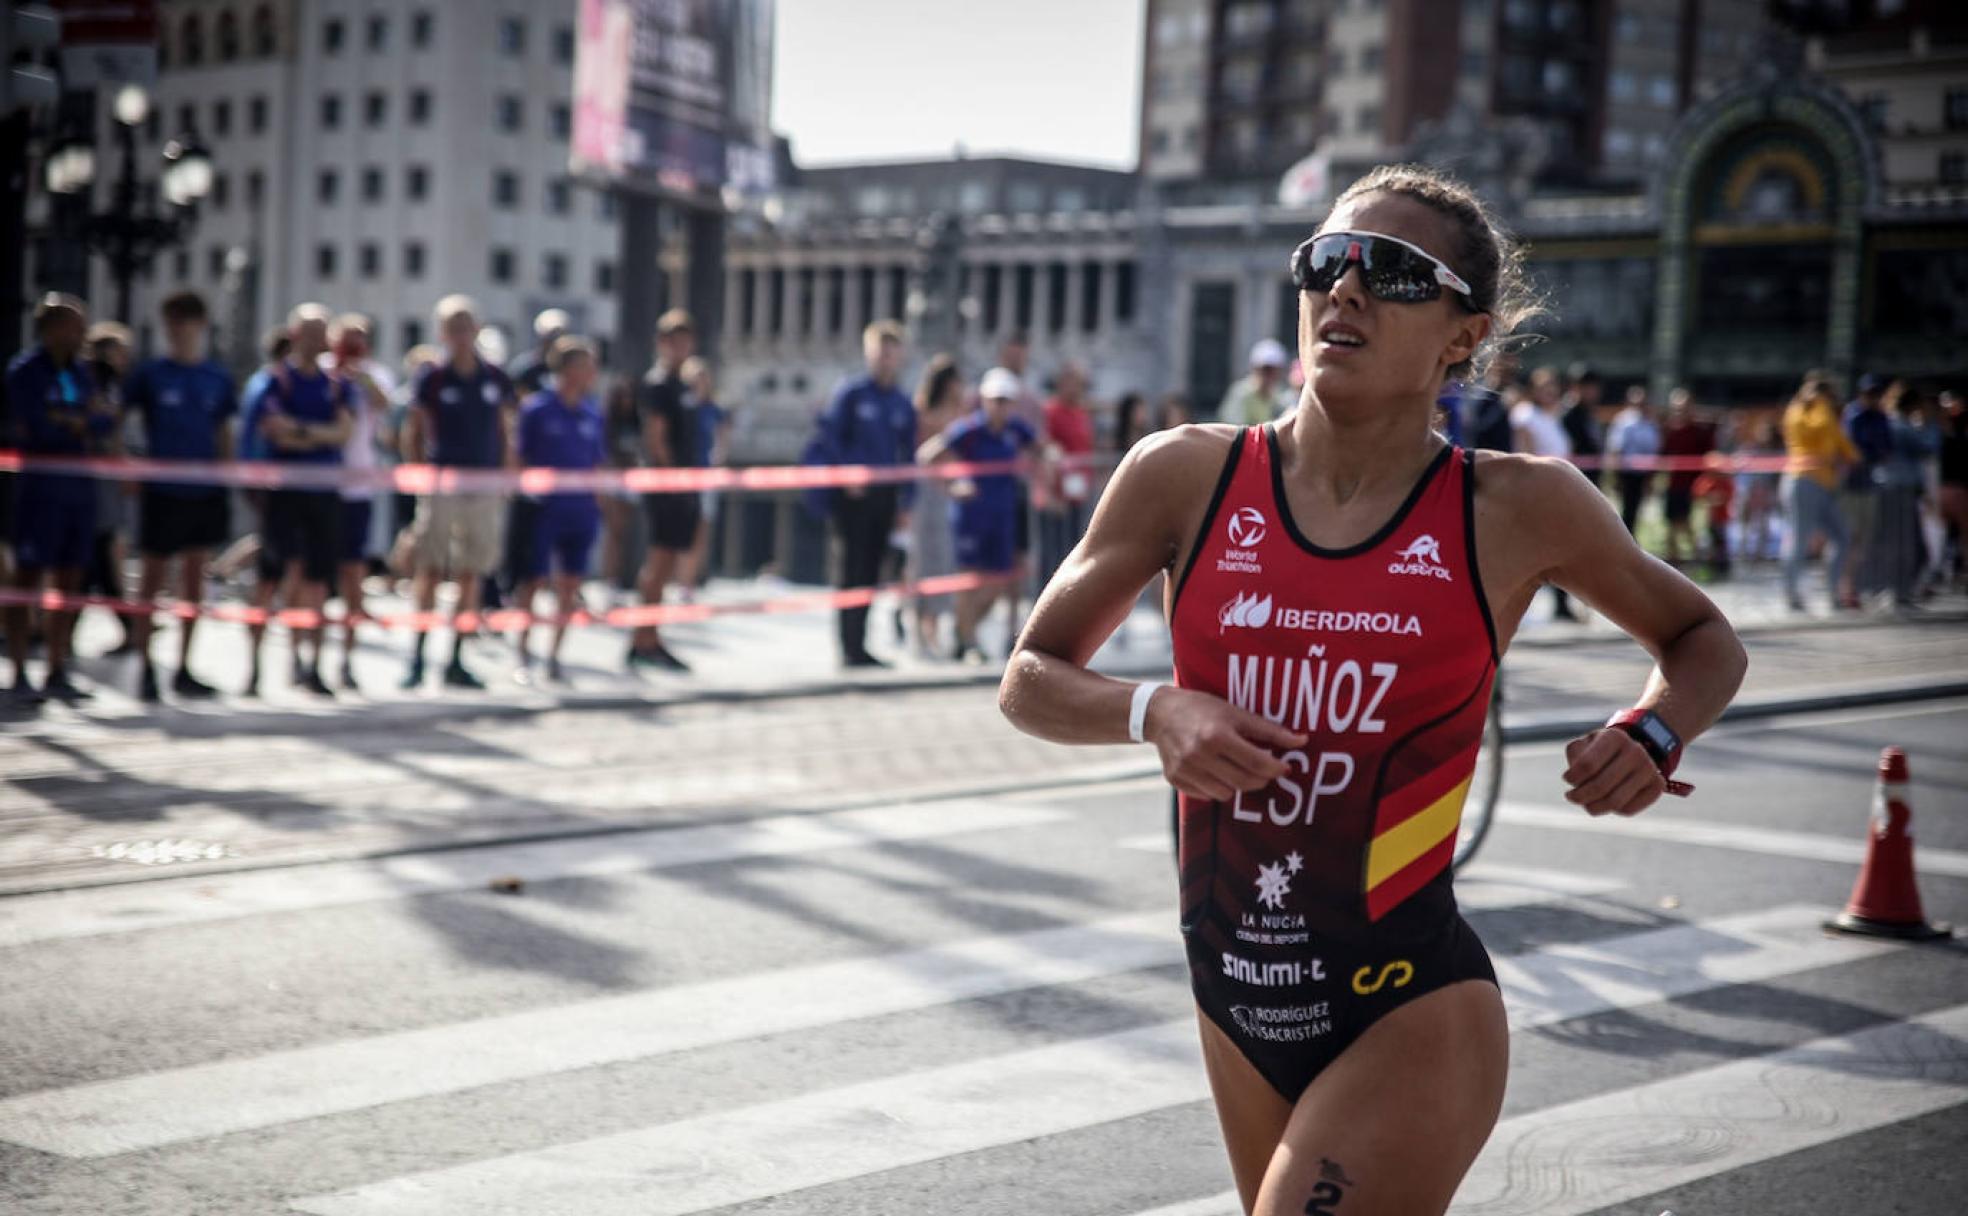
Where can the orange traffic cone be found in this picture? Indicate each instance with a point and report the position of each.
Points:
(1885, 901)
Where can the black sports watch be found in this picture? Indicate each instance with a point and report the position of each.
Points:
(1657, 738)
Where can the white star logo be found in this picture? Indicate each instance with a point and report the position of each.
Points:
(1273, 884)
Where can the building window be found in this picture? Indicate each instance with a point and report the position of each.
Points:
(333, 31)
(564, 44)
(255, 188)
(221, 191)
(327, 186)
(222, 117)
(512, 37)
(1367, 121)
(1660, 91)
(413, 259)
(991, 314)
(898, 290)
(512, 113)
(256, 115)
(228, 37)
(560, 197)
(369, 260)
(561, 120)
(420, 107)
(181, 265)
(1124, 292)
(1954, 168)
(1370, 58)
(324, 261)
(836, 299)
(775, 302)
(604, 284)
(421, 24)
(413, 335)
(1954, 111)
(1624, 86)
(372, 185)
(375, 109)
(505, 189)
(266, 35)
(1023, 288)
(1619, 145)
(803, 301)
(416, 183)
(378, 32)
(1090, 297)
(1056, 297)
(502, 265)
(1873, 107)
(553, 271)
(605, 205)
(191, 41)
(1560, 78)
(331, 112)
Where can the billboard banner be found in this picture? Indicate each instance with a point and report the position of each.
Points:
(671, 95)
(106, 43)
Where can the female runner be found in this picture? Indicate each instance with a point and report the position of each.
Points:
(1335, 640)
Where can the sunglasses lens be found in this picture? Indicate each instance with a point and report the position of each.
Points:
(1324, 261)
(1399, 274)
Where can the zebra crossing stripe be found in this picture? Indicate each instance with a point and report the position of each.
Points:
(194, 899)
(755, 1152)
(1617, 1147)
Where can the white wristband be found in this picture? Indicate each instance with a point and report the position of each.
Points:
(1138, 710)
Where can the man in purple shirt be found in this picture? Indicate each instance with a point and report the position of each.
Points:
(560, 428)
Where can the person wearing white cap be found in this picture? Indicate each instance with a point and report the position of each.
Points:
(985, 514)
(1258, 397)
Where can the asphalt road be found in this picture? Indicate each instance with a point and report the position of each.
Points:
(974, 1004)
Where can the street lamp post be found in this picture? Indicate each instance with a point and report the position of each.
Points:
(130, 233)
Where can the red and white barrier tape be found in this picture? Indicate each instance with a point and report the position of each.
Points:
(506, 619)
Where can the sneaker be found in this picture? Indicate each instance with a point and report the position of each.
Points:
(311, 681)
(669, 662)
(61, 688)
(523, 676)
(555, 674)
(864, 662)
(127, 646)
(252, 688)
(1795, 603)
(347, 678)
(639, 659)
(413, 676)
(188, 686)
(147, 684)
(24, 696)
(457, 675)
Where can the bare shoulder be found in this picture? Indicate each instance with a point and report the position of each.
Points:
(1197, 448)
(1161, 486)
(1512, 484)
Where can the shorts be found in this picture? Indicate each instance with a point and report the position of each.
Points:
(673, 520)
(1021, 534)
(563, 542)
(356, 513)
(1679, 503)
(986, 541)
(459, 533)
(53, 531)
(1292, 1013)
(304, 526)
(169, 524)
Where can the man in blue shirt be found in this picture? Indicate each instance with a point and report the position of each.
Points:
(1871, 432)
(186, 402)
(461, 414)
(984, 514)
(560, 428)
(53, 409)
(304, 415)
(869, 422)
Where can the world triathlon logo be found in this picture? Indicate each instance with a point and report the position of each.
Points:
(1247, 611)
(1247, 527)
(1422, 556)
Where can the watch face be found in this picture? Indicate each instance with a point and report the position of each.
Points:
(1658, 734)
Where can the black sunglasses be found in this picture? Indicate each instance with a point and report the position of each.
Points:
(1391, 268)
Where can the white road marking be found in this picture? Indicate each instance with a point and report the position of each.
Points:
(1616, 1147)
(773, 1148)
(130, 907)
(1771, 842)
(1612, 1148)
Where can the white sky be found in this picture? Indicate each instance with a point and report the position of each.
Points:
(910, 79)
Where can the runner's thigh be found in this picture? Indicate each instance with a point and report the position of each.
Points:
(1252, 1113)
(1391, 1126)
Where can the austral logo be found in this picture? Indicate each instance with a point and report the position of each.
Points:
(1247, 611)
(1247, 527)
(1422, 556)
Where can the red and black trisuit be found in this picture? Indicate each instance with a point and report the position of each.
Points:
(1314, 906)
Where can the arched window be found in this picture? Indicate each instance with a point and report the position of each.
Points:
(191, 41)
(266, 39)
(227, 37)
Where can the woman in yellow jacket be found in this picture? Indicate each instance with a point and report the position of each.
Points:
(1819, 449)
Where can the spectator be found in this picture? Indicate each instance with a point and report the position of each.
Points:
(869, 422)
(1260, 396)
(1818, 450)
(54, 410)
(1131, 422)
(1717, 492)
(939, 402)
(1952, 493)
(403, 507)
(1176, 411)
(561, 428)
(349, 358)
(619, 523)
(1684, 437)
(1901, 478)
(1581, 413)
(533, 370)
(1634, 439)
(460, 418)
(1871, 433)
(669, 441)
(1014, 355)
(986, 509)
(1484, 413)
(304, 415)
(248, 445)
(530, 373)
(185, 403)
(710, 423)
(1539, 431)
(1069, 431)
(1756, 490)
(110, 354)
